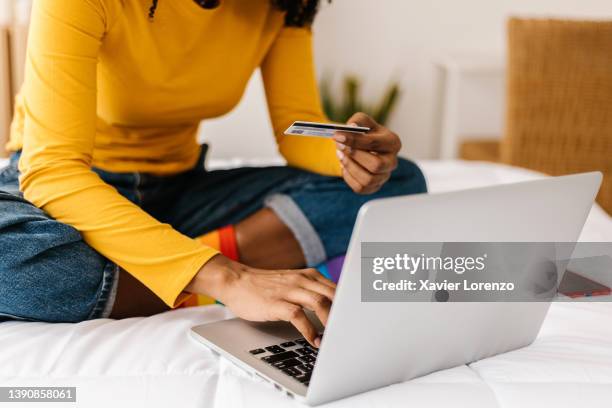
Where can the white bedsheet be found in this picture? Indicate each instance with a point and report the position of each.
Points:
(151, 362)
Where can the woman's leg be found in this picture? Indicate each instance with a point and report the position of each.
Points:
(133, 299)
(264, 241)
(284, 217)
(331, 208)
(47, 272)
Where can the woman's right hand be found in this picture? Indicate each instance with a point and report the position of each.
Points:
(267, 295)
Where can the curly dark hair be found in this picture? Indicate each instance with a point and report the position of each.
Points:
(298, 13)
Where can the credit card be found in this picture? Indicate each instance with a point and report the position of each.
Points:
(321, 129)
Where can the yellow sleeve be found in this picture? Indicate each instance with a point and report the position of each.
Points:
(292, 93)
(59, 130)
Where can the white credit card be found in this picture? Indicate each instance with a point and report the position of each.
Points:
(321, 129)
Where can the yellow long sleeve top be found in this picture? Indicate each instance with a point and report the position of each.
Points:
(107, 87)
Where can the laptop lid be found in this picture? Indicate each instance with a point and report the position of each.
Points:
(370, 345)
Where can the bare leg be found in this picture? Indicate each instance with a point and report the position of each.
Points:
(134, 299)
(263, 242)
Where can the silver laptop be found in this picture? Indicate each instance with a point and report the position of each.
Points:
(371, 345)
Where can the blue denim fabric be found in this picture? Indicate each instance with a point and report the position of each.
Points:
(48, 273)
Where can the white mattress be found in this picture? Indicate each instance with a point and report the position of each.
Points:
(151, 362)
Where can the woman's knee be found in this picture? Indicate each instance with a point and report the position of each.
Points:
(407, 178)
(47, 272)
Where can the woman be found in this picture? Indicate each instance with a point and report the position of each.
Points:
(113, 213)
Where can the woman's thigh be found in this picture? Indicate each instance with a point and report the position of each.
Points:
(320, 210)
(47, 272)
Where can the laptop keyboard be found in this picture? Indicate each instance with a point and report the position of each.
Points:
(295, 358)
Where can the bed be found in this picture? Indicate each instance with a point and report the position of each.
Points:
(152, 362)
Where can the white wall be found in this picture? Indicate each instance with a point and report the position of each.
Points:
(400, 38)
(245, 132)
(379, 39)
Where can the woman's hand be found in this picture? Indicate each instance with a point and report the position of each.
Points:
(265, 295)
(367, 159)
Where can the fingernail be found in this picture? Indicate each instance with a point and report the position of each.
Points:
(339, 154)
(340, 146)
(353, 124)
(339, 138)
(317, 342)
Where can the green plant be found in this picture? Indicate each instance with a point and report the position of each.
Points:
(351, 101)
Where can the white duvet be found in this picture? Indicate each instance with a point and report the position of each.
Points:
(152, 362)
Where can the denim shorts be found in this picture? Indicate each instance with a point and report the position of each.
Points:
(48, 273)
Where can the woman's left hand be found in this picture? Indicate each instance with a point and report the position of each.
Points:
(367, 159)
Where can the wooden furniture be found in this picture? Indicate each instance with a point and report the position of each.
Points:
(6, 89)
(468, 84)
(559, 98)
(485, 149)
(14, 18)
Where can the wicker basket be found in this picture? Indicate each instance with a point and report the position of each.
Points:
(559, 113)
